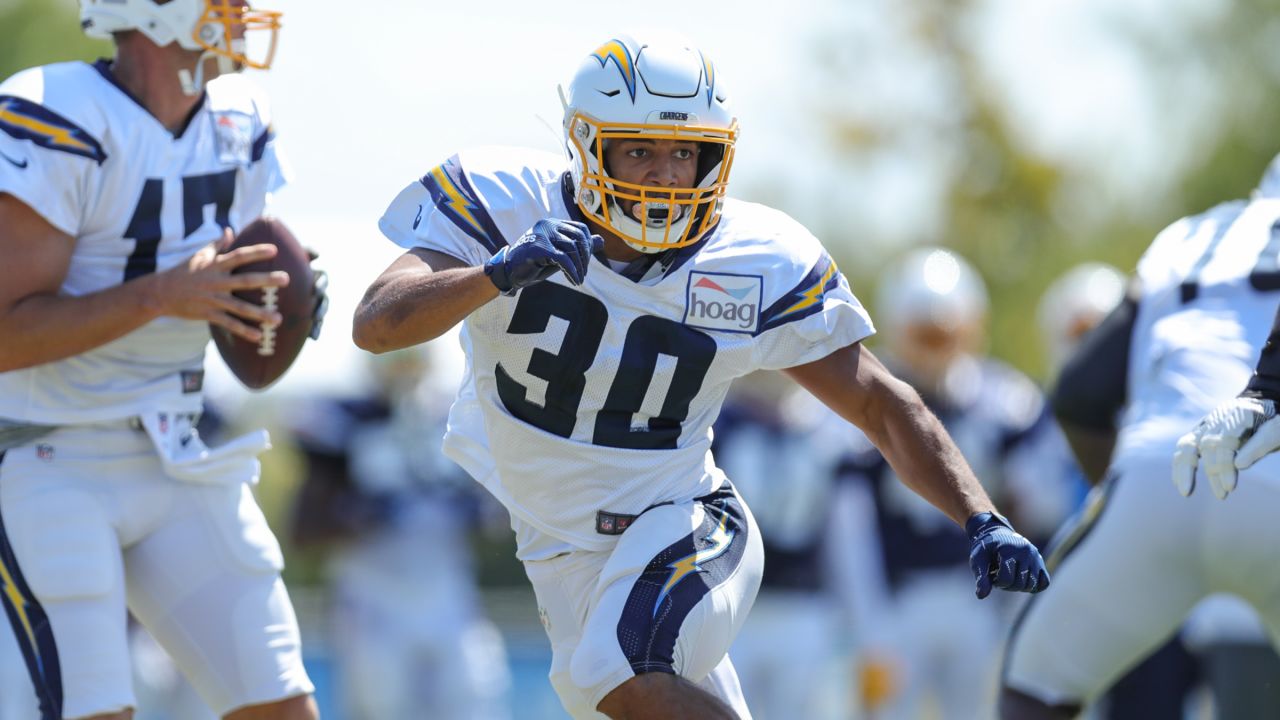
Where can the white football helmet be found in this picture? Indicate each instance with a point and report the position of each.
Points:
(217, 28)
(932, 309)
(1074, 303)
(660, 91)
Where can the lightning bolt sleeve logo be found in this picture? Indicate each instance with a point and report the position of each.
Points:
(25, 120)
(813, 294)
(453, 195)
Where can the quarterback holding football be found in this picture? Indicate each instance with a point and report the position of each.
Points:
(120, 182)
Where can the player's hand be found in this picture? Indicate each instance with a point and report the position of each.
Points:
(549, 246)
(319, 295)
(1217, 442)
(201, 288)
(1002, 558)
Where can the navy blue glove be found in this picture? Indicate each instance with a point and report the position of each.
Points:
(1001, 557)
(548, 246)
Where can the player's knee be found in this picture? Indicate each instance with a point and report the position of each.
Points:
(299, 707)
(1015, 705)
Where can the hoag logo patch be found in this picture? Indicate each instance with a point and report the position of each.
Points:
(723, 301)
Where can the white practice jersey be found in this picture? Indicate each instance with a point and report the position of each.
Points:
(1208, 299)
(86, 156)
(600, 398)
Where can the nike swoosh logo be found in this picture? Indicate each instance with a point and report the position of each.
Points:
(20, 165)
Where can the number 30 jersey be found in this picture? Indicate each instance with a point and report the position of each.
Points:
(1208, 285)
(87, 157)
(585, 405)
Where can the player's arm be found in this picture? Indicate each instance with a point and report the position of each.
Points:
(1092, 387)
(420, 296)
(40, 325)
(1239, 432)
(425, 292)
(856, 385)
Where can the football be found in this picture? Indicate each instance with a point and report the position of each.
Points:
(260, 364)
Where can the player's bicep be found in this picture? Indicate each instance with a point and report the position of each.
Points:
(852, 382)
(36, 254)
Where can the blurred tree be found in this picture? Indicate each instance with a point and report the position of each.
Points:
(923, 94)
(32, 37)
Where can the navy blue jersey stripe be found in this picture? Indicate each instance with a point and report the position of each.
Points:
(453, 195)
(24, 120)
(677, 579)
(32, 630)
(806, 298)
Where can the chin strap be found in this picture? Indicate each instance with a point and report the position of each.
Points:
(193, 84)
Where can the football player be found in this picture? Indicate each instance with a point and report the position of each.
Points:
(918, 628)
(792, 653)
(606, 308)
(118, 181)
(1181, 344)
(393, 517)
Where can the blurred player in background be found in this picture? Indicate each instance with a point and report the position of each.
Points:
(393, 518)
(781, 446)
(923, 641)
(606, 307)
(117, 180)
(1184, 342)
(1074, 304)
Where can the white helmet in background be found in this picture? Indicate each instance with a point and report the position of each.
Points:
(1269, 186)
(932, 308)
(1074, 303)
(217, 28)
(660, 91)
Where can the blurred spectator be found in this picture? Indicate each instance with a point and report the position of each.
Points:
(792, 653)
(410, 637)
(925, 640)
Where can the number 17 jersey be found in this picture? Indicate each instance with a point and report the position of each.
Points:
(584, 405)
(81, 152)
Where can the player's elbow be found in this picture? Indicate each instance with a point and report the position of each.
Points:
(367, 336)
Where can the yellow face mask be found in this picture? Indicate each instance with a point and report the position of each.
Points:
(235, 20)
(670, 217)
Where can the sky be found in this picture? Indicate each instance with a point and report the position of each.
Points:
(366, 102)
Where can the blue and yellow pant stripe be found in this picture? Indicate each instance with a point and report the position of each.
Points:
(31, 628)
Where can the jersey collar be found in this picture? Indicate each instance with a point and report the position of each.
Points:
(103, 66)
